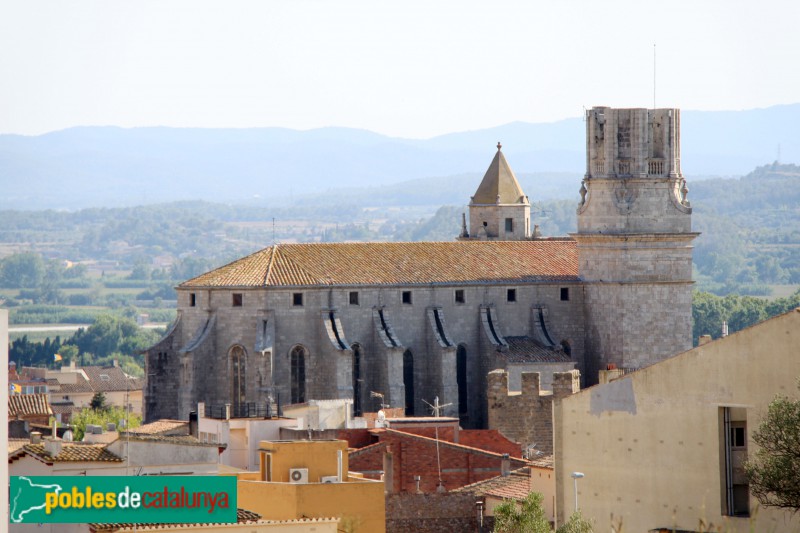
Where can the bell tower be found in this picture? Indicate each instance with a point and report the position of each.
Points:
(634, 239)
(499, 210)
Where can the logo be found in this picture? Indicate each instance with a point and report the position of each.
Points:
(122, 499)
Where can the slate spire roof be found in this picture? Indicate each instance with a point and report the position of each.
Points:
(499, 185)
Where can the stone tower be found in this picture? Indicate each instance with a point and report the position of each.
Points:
(499, 211)
(634, 239)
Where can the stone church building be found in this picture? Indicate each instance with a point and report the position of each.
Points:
(403, 323)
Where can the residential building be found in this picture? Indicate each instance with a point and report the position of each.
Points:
(662, 448)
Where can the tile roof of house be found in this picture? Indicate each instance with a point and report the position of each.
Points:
(515, 486)
(242, 517)
(545, 461)
(28, 404)
(398, 263)
(72, 452)
(164, 426)
(187, 440)
(15, 444)
(98, 379)
(499, 184)
(529, 350)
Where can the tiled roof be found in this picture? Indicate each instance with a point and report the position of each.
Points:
(529, 350)
(111, 378)
(16, 444)
(242, 517)
(73, 452)
(545, 461)
(398, 263)
(162, 427)
(62, 407)
(28, 404)
(98, 379)
(186, 440)
(515, 486)
(499, 181)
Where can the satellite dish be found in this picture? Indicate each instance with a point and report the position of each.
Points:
(381, 415)
(67, 437)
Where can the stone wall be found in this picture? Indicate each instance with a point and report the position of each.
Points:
(527, 416)
(433, 513)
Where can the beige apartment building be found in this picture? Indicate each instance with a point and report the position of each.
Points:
(663, 447)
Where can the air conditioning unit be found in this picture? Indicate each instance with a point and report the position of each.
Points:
(329, 479)
(298, 475)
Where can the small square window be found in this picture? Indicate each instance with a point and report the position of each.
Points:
(738, 437)
(237, 299)
(511, 295)
(509, 225)
(564, 294)
(407, 297)
(459, 296)
(353, 298)
(297, 298)
(192, 300)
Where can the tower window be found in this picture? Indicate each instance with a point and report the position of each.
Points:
(237, 299)
(509, 225)
(564, 294)
(354, 298)
(297, 298)
(511, 295)
(406, 297)
(192, 299)
(459, 296)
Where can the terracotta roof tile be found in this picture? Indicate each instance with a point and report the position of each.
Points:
(73, 452)
(28, 404)
(515, 486)
(242, 517)
(395, 263)
(529, 350)
(162, 427)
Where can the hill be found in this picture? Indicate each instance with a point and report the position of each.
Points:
(110, 166)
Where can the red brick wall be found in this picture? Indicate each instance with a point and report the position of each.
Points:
(417, 457)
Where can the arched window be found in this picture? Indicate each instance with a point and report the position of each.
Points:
(461, 380)
(565, 344)
(298, 378)
(238, 378)
(408, 381)
(357, 380)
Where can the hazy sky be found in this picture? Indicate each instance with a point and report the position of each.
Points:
(406, 68)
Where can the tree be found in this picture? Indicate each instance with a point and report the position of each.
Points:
(98, 402)
(23, 271)
(576, 524)
(102, 418)
(524, 517)
(772, 472)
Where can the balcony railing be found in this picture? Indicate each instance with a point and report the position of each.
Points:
(245, 410)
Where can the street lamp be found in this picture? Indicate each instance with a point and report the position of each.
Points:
(575, 477)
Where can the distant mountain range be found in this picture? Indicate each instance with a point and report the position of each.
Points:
(110, 166)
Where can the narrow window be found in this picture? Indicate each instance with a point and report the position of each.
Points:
(408, 381)
(736, 498)
(298, 375)
(192, 299)
(511, 295)
(459, 296)
(354, 298)
(564, 294)
(509, 225)
(237, 299)
(297, 298)
(238, 379)
(407, 297)
(461, 381)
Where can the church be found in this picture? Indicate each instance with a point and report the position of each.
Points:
(401, 323)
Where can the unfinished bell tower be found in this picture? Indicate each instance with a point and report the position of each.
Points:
(634, 239)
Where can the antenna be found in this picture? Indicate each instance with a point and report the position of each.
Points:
(654, 75)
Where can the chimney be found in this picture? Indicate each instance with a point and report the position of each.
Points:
(704, 339)
(388, 471)
(505, 465)
(52, 446)
(36, 437)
